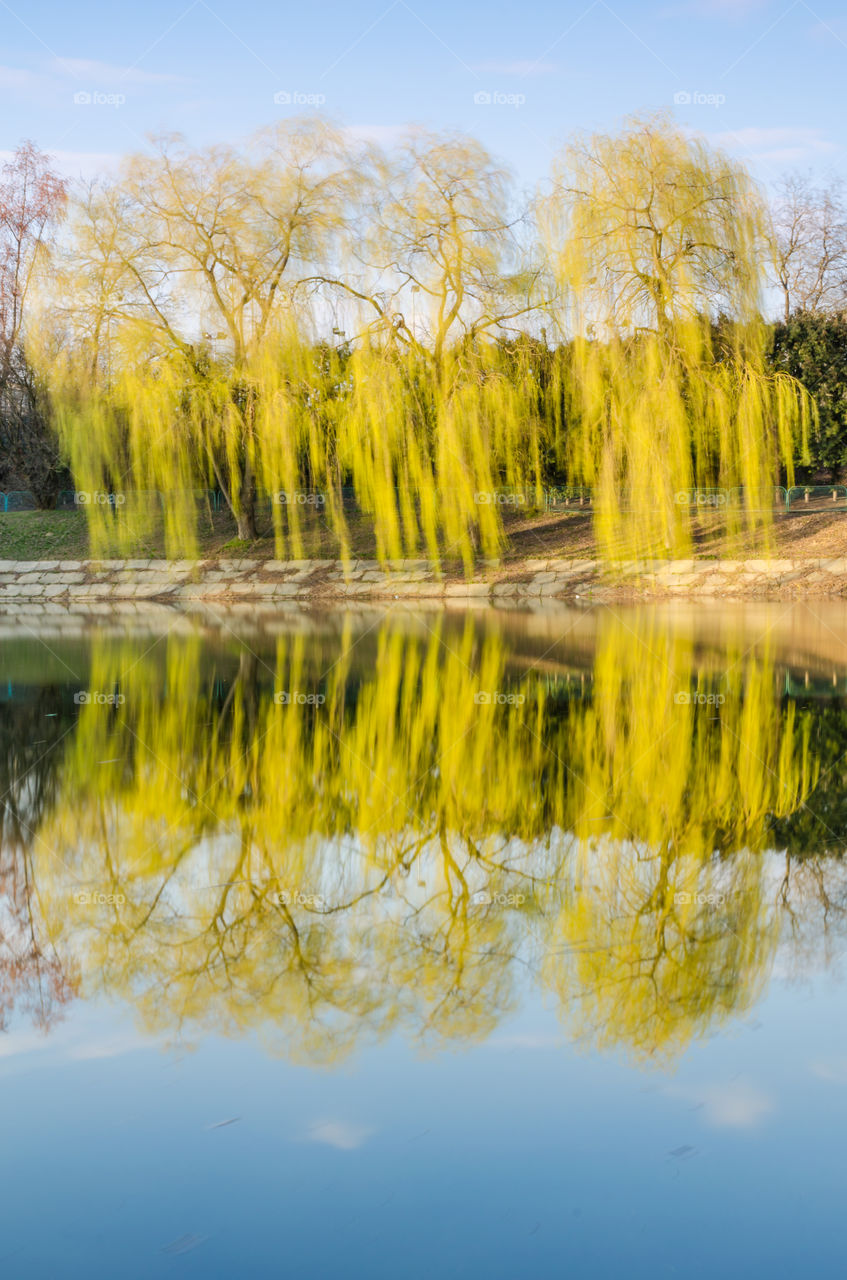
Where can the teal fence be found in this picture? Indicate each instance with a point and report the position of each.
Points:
(817, 497)
(806, 498)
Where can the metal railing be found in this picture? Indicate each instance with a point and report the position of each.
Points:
(563, 498)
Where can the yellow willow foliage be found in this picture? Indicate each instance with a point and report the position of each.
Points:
(667, 936)
(425, 447)
(695, 769)
(624, 832)
(428, 445)
(643, 963)
(661, 246)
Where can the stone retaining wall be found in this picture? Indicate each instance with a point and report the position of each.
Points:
(65, 582)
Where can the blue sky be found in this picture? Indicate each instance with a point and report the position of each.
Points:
(763, 77)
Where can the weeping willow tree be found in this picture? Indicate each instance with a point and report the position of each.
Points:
(661, 244)
(194, 356)
(182, 288)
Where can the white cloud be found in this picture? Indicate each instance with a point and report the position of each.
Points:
(90, 69)
(18, 78)
(738, 1104)
(339, 1134)
(112, 1047)
(58, 76)
(85, 164)
(12, 1044)
(775, 145)
(78, 164)
(525, 1041)
(384, 134)
(66, 1043)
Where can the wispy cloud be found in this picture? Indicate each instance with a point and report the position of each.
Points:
(385, 135)
(737, 1104)
(109, 73)
(338, 1134)
(18, 78)
(832, 1069)
(79, 164)
(58, 75)
(112, 1047)
(776, 145)
(525, 1041)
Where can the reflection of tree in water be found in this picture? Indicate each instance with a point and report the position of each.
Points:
(436, 845)
(33, 978)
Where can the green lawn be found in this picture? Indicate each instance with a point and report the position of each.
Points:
(43, 535)
(63, 535)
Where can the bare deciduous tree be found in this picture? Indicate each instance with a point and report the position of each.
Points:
(810, 245)
(32, 200)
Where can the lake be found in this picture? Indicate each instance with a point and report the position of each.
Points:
(417, 943)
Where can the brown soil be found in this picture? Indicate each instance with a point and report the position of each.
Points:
(818, 535)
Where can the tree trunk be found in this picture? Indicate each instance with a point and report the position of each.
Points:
(246, 516)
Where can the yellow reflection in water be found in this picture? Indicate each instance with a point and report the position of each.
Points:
(396, 836)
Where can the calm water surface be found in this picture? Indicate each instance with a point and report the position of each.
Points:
(412, 944)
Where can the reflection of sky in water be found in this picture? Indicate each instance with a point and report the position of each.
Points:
(520, 1156)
